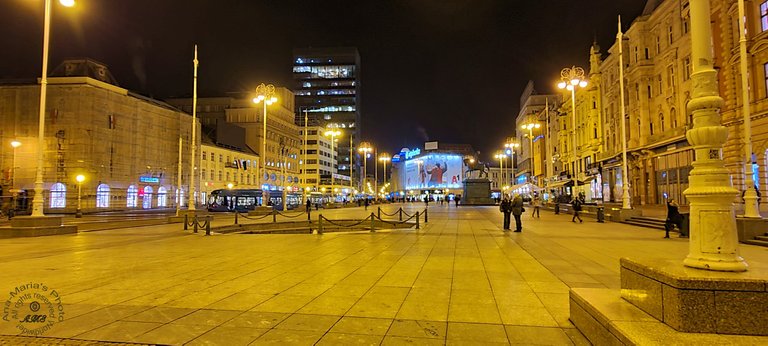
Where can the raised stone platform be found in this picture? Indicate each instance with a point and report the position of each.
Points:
(477, 192)
(36, 226)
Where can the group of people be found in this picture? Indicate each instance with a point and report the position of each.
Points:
(514, 206)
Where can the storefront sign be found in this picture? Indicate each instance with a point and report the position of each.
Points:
(146, 179)
(413, 153)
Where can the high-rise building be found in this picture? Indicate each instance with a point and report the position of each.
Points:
(327, 89)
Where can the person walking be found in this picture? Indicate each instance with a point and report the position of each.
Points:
(674, 218)
(365, 203)
(517, 211)
(506, 208)
(457, 199)
(576, 203)
(536, 203)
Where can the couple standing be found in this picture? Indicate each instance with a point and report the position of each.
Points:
(512, 206)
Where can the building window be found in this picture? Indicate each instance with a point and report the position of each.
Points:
(686, 68)
(764, 16)
(650, 126)
(213, 157)
(102, 196)
(221, 158)
(131, 196)
(686, 24)
(661, 121)
(162, 197)
(146, 200)
(670, 37)
(204, 155)
(58, 195)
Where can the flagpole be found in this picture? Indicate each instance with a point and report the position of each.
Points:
(192, 144)
(625, 199)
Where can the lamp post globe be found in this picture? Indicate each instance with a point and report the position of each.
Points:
(80, 179)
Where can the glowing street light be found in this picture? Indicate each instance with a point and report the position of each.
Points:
(570, 78)
(333, 131)
(365, 148)
(265, 94)
(37, 200)
(80, 179)
(384, 158)
(530, 126)
(509, 149)
(501, 156)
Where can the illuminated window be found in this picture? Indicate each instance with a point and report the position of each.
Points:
(131, 197)
(58, 195)
(146, 200)
(102, 196)
(162, 197)
(764, 16)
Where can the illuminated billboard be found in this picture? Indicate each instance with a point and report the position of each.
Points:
(434, 171)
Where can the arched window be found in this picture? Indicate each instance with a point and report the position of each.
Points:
(146, 200)
(131, 197)
(58, 195)
(102, 196)
(673, 116)
(650, 127)
(162, 197)
(661, 121)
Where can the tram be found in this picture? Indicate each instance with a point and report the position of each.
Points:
(243, 200)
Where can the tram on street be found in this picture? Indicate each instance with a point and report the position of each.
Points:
(243, 200)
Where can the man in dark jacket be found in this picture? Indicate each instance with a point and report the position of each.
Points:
(506, 208)
(517, 210)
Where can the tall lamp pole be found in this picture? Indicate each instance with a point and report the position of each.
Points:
(751, 207)
(384, 158)
(333, 131)
(265, 94)
(530, 126)
(14, 144)
(509, 149)
(37, 200)
(80, 178)
(193, 144)
(625, 198)
(365, 148)
(570, 78)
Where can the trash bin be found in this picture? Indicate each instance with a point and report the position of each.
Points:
(557, 208)
(685, 230)
(600, 214)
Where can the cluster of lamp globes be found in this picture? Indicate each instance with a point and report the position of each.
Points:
(570, 85)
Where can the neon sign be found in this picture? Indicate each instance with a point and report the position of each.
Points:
(413, 153)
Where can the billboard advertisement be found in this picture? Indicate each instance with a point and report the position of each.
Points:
(434, 171)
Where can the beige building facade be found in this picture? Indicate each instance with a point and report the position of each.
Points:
(224, 168)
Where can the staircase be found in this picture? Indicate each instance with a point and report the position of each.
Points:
(761, 240)
(648, 222)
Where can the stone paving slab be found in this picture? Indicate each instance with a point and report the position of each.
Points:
(458, 280)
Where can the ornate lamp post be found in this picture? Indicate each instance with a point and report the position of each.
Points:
(501, 156)
(365, 148)
(333, 131)
(384, 158)
(714, 243)
(625, 198)
(192, 144)
(570, 78)
(80, 178)
(530, 126)
(751, 207)
(265, 94)
(509, 149)
(14, 144)
(37, 200)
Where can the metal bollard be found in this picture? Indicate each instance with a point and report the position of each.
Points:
(186, 222)
(426, 215)
(207, 226)
(274, 216)
(401, 213)
(600, 214)
(557, 208)
(320, 224)
(309, 215)
(373, 221)
(195, 223)
(236, 213)
(378, 212)
(417, 220)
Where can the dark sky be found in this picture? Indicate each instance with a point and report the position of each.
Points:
(446, 70)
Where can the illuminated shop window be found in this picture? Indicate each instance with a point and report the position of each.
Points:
(58, 195)
(102, 196)
(162, 197)
(132, 196)
(146, 200)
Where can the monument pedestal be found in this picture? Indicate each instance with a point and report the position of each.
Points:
(477, 192)
(36, 226)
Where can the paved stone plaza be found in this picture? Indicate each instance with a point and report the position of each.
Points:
(457, 280)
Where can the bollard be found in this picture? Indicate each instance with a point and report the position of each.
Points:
(401, 213)
(426, 215)
(186, 222)
(274, 216)
(378, 212)
(557, 208)
(195, 223)
(309, 215)
(320, 224)
(417, 220)
(600, 214)
(236, 213)
(207, 226)
(373, 221)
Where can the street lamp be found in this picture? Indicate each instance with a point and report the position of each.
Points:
(80, 178)
(283, 155)
(384, 158)
(501, 155)
(14, 144)
(625, 198)
(265, 94)
(333, 131)
(570, 78)
(37, 200)
(365, 148)
(530, 126)
(751, 207)
(509, 149)
(192, 144)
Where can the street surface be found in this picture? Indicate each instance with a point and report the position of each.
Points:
(457, 280)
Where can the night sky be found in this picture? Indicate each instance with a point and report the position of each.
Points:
(446, 70)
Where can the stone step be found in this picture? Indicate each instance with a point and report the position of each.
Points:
(762, 237)
(756, 242)
(633, 222)
(648, 219)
